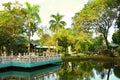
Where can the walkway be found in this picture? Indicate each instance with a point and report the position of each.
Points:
(28, 61)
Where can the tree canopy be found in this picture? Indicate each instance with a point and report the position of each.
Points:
(98, 16)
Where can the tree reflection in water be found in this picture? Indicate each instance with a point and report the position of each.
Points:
(77, 70)
(117, 71)
(89, 70)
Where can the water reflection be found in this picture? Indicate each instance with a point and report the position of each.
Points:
(82, 70)
(89, 70)
(48, 73)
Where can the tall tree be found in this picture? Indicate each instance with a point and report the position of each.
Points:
(11, 22)
(98, 15)
(31, 20)
(56, 24)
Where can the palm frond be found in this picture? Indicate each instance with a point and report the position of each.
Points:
(52, 21)
(36, 16)
(63, 23)
(28, 5)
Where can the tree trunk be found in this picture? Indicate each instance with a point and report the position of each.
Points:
(29, 43)
(107, 45)
(57, 46)
(108, 73)
(29, 35)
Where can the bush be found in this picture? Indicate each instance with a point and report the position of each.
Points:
(67, 55)
(118, 50)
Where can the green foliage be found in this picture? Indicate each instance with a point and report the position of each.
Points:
(73, 72)
(98, 16)
(82, 42)
(56, 23)
(118, 51)
(14, 21)
(97, 45)
(40, 32)
(46, 39)
(64, 40)
(118, 22)
(32, 19)
(11, 25)
(11, 20)
(116, 37)
(19, 45)
(116, 71)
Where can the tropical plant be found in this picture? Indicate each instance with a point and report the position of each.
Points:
(31, 20)
(56, 22)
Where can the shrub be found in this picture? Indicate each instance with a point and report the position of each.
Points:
(118, 50)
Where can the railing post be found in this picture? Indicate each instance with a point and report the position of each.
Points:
(2, 58)
(43, 58)
(11, 56)
(29, 57)
(20, 57)
(37, 57)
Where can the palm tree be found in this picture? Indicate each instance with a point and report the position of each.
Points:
(32, 19)
(55, 24)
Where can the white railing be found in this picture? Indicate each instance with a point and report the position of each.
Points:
(28, 58)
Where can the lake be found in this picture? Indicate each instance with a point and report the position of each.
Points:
(76, 70)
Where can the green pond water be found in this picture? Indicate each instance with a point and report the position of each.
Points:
(77, 70)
